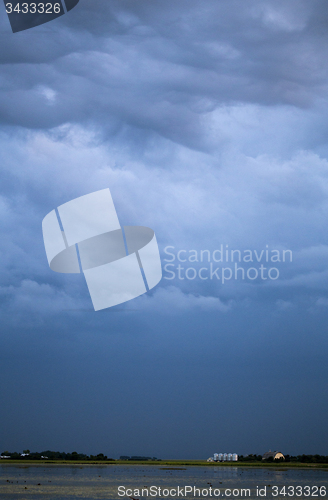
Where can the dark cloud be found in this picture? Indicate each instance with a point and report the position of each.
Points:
(161, 67)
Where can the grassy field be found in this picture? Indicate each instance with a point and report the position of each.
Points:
(168, 463)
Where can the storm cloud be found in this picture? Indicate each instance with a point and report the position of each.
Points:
(208, 122)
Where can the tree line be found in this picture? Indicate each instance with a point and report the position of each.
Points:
(316, 459)
(53, 455)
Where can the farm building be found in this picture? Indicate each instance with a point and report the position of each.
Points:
(274, 454)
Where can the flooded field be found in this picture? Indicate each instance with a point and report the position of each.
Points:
(110, 482)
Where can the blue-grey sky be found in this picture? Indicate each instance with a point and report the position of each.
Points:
(208, 121)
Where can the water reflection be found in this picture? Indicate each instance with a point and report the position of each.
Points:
(101, 482)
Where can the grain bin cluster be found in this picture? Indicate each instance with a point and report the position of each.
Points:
(224, 457)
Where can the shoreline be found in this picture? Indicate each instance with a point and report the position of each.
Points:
(163, 463)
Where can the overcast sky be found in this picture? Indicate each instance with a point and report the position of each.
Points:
(208, 121)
